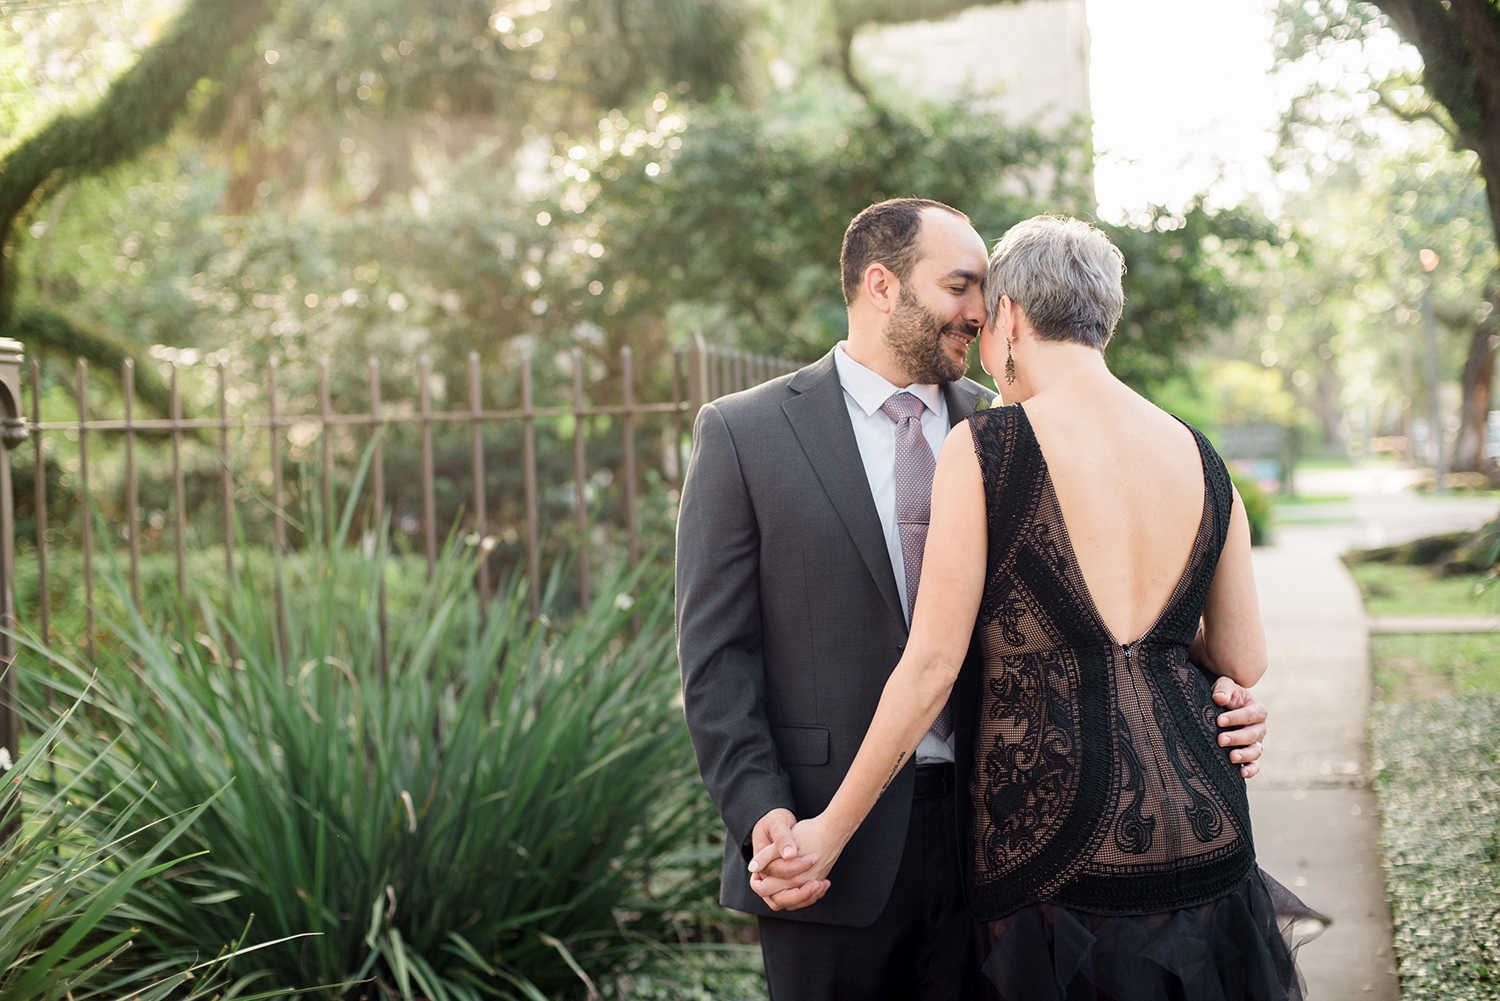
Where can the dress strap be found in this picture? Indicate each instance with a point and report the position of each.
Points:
(1219, 491)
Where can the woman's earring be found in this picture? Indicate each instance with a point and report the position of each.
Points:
(1010, 364)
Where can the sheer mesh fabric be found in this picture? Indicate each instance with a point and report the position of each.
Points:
(1098, 782)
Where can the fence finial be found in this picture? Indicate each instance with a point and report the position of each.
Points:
(697, 374)
(12, 424)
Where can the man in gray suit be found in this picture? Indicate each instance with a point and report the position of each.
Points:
(793, 601)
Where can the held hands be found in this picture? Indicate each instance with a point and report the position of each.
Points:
(792, 860)
(1242, 726)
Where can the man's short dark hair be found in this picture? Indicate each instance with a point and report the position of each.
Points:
(885, 233)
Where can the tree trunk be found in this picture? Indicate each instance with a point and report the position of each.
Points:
(1480, 27)
(48, 331)
(1460, 45)
(1479, 24)
(1478, 384)
(1327, 392)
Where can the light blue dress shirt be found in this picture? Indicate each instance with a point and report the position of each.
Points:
(875, 434)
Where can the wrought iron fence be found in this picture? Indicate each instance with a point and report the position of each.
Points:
(240, 458)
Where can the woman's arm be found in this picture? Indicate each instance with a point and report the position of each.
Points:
(1232, 642)
(953, 568)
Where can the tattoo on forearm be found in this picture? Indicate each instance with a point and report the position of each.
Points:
(900, 760)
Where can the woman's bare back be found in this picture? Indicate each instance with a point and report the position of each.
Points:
(1129, 481)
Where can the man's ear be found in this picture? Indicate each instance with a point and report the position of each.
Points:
(881, 286)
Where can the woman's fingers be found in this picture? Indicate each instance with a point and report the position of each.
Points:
(806, 895)
(795, 868)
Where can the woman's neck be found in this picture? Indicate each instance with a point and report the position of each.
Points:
(1058, 368)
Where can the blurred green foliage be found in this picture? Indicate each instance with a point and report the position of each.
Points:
(396, 183)
(711, 973)
(1388, 162)
(1342, 293)
(1258, 508)
(393, 181)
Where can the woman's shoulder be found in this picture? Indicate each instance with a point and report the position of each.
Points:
(1206, 449)
(1198, 434)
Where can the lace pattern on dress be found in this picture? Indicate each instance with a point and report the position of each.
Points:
(1099, 783)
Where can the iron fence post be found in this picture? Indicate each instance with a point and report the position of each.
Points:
(697, 376)
(12, 433)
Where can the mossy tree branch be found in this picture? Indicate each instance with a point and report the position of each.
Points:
(53, 333)
(207, 41)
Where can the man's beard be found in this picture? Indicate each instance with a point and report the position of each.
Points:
(915, 336)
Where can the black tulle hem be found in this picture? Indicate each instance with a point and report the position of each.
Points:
(1238, 947)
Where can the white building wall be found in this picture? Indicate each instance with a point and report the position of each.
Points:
(1033, 55)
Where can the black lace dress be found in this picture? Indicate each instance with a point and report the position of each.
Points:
(1111, 854)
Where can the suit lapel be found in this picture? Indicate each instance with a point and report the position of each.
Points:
(820, 420)
(963, 397)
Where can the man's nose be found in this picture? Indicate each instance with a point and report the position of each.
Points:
(974, 310)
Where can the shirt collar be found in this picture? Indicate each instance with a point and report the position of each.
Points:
(870, 390)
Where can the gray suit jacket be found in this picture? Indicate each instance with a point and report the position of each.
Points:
(789, 623)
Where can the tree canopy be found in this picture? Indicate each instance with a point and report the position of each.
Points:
(393, 180)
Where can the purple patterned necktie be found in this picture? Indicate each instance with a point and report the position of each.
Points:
(914, 469)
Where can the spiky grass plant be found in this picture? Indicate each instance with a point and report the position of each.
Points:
(68, 868)
(493, 810)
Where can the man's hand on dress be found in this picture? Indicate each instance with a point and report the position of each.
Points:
(1242, 725)
(778, 872)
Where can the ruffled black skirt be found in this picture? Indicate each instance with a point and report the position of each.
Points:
(1239, 947)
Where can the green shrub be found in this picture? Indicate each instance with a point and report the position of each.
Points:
(206, 577)
(1437, 776)
(495, 812)
(68, 868)
(1257, 509)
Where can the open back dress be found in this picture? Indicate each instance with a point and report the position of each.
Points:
(1110, 850)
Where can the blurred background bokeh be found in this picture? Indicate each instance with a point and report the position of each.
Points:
(332, 179)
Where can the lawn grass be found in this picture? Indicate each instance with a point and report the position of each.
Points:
(1433, 665)
(1312, 509)
(1333, 462)
(1399, 589)
(1294, 516)
(1309, 500)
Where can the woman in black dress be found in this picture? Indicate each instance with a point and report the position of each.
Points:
(1097, 549)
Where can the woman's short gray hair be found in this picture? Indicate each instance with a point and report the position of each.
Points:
(1064, 274)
